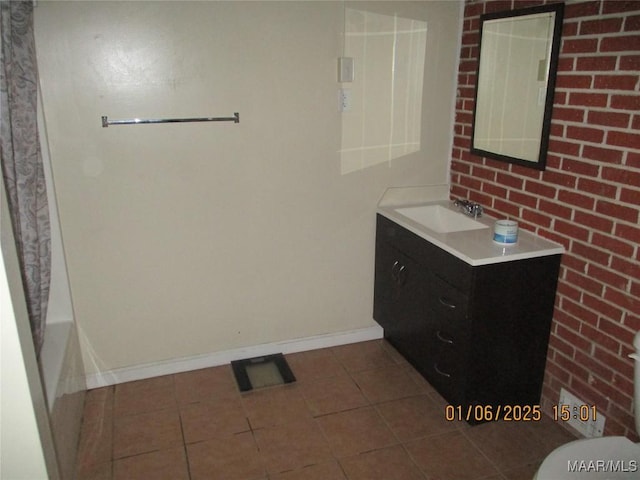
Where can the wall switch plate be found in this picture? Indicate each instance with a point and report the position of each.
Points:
(344, 100)
(582, 415)
(345, 69)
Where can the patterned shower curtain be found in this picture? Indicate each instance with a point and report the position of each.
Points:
(22, 167)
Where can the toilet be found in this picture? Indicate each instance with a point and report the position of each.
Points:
(610, 458)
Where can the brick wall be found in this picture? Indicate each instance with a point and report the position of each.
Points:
(588, 198)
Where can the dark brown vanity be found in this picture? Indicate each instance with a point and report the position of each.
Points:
(477, 333)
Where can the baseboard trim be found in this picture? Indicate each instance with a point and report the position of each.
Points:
(185, 364)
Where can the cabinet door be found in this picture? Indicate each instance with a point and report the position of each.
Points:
(400, 301)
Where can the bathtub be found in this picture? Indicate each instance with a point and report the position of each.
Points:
(63, 379)
(61, 367)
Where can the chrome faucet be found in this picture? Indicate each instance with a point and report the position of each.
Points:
(469, 208)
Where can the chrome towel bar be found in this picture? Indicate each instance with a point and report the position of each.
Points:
(133, 121)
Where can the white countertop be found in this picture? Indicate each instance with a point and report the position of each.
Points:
(476, 247)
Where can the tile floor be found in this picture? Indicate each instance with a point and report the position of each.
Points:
(357, 412)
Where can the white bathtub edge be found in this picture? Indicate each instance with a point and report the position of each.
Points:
(178, 365)
(52, 355)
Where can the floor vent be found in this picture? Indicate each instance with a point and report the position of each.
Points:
(259, 372)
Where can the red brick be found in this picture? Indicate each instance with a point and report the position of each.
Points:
(571, 230)
(470, 38)
(483, 173)
(608, 118)
(626, 43)
(584, 282)
(509, 180)
(522, 198)
(602, 154)
(555, 209)
(580, 167)
(624, 139)
(630, 196)
(506, 208)
(587, 393)
(536, 218)
(524, 171)
(632, 321)
(625, 102)
(559, 98)
(616, 330)
(587, 134)
(569, 364)
(596, 187)
(473, 9)
(620, 6)
(591, 254)
(494, 190)
(470, 182)
(566, 64)
(468, 66)
(632, 24)
(553, 161)
(596, 63)
(558, 372)
(577, 199)
(588, 99)
(573, 338)
(630, 233)
(571, 261)
(568, 114)
(599, 338)
(616, 210)
(569, 29)
(607, 276)
(497, 6)
(558, 178)
(565, 80)
(624, 300)
(572, 46)
(582, 9)
(615, 82)
(594, 367)
(602, 307)
(630, 62)
(619, 175)
(566, 148)
(539, 188)
(601, 25)
(612, 244)
(635, 123)
(626, 267)
(633, 159)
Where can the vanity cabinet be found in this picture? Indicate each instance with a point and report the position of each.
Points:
(478, 334)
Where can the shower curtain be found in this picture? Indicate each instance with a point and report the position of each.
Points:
(22, 167)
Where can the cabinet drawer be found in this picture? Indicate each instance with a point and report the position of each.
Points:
(435, 259)
(447, 302)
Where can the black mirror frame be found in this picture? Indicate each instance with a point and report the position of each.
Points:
(558, 8)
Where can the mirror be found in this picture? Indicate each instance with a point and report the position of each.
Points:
(515, 84)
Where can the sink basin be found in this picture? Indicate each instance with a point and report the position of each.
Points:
(440, 219)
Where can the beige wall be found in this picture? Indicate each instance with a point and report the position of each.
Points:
(184, 239)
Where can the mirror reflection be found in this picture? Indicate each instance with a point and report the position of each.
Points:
(383, 119)
(515, 83)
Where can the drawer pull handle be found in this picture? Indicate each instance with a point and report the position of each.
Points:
(435, 367)
(443, 339)
(394, 271)
(447, 303)
(402, 276)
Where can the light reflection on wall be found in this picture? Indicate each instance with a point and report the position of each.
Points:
(384, 122)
